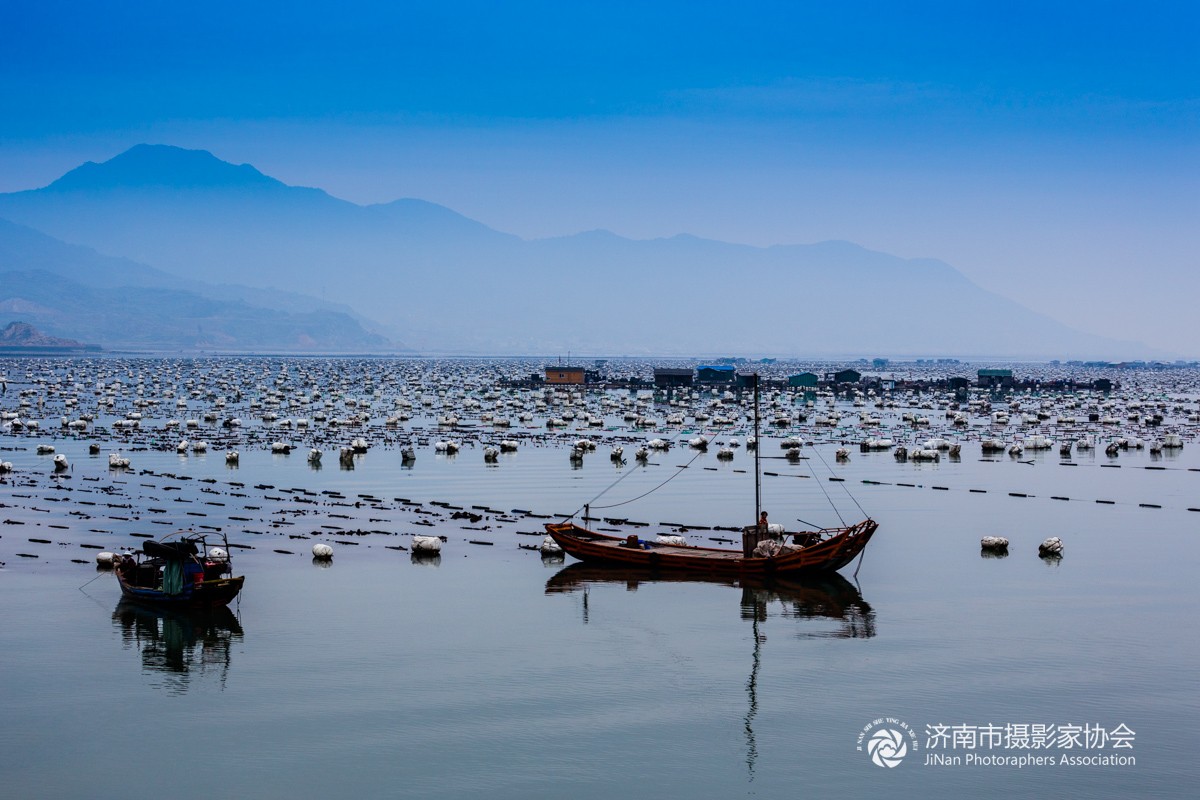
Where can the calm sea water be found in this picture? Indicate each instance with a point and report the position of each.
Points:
(490, 672)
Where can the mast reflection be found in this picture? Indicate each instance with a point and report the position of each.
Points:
(819, 597)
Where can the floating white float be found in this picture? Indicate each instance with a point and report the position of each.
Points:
(1051, 547)
(426, 544)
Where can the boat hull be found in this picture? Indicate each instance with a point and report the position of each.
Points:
(208, 594)
(829, 555)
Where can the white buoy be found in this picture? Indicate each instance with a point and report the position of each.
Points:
(1051, 547)
(322, 551)
(993, 543)
(426, 544)
(550, 546)
(60, 463)
(671, 538)
(105, 558)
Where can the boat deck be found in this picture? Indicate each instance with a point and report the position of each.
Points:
(673, 549)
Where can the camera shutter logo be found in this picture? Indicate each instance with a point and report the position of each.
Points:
(887, 747)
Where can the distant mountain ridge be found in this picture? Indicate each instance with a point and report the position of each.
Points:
(23, 336)
(442, 282)
(73, 291)
(147, 165)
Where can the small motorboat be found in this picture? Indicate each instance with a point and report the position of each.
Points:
(181, 569)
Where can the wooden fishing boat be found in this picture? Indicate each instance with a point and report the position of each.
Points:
(809, 551)
(766, 549)
(181, 569)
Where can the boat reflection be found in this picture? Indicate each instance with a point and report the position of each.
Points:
(179, 645)
(816, 597)
(824, 596)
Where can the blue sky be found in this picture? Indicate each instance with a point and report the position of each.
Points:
(1049, 151)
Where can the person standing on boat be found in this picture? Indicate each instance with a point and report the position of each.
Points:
(762, 522)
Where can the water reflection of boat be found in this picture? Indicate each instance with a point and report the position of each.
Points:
(819, 595)
(812, 596)
(179, 643)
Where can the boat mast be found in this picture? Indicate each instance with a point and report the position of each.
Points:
(757, 450)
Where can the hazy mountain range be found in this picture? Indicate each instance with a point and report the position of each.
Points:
(201, 253)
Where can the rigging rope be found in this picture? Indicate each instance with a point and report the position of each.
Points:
(655, 489)
(640, 496)
(822, 485)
